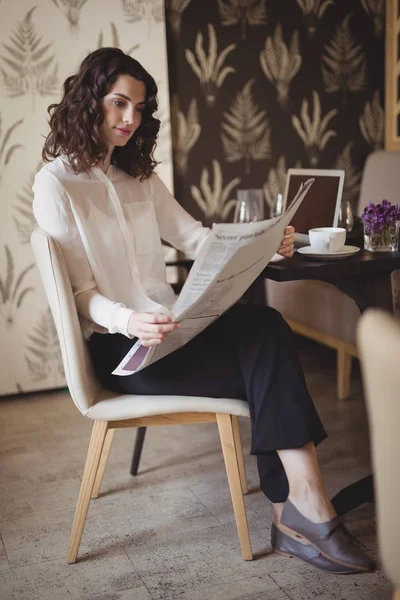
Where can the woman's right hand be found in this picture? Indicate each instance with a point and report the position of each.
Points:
(151, 328)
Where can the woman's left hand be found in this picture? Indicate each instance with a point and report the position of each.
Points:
(286, 248)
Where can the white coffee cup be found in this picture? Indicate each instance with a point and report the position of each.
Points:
(327, 239)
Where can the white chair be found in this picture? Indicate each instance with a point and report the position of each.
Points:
(111, 411)
(319, 310)
(378, 336)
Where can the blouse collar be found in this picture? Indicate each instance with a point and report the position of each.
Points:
(109, 175)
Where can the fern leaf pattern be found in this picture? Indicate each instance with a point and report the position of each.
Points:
(313, 11)
(344, 69)
(136, 10)
(209, 68)
(280, 63)
(372, 122)
(43, 356)
(313, 132)
(23, 215)
(351, 186)
(214, 202)
(185, 132)
(7, 149)
(174, 10)
(71, 9)
(33, 72)
(246, 130)
(115, 40)
(11, 291)
(376, 10)
(274, 187)
(253, 12)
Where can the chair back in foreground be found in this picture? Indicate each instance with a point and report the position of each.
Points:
(81, 381)
(380, 179)
(378, 336)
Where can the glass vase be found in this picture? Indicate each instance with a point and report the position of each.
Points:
(386, 241)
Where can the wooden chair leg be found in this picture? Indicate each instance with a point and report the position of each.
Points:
(103, 463)
(239, 453)
(232, 470)
(396, 595)
(343, 373)
(141, 432)
(96, 444)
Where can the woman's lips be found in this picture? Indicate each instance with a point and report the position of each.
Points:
(123, 131)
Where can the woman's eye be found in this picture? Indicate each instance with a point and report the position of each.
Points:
(118, 103)
(140, 109)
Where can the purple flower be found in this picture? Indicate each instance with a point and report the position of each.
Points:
(378, 217)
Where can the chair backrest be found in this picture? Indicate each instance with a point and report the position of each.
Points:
(82, 384)
(380, 179)
(378, 336)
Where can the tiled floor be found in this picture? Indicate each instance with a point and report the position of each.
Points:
(169, 533)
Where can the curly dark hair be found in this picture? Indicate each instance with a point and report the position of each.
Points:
(75, 122)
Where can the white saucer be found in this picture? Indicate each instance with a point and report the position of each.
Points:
(343, 253)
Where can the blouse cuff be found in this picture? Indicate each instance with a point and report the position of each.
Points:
(122, 317)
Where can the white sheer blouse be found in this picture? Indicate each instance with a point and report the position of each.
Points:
(110, 227)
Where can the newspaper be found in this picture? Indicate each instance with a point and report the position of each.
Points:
(231, 258)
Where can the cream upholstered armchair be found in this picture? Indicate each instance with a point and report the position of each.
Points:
(378, 336)
(320, 311)
(110, 411)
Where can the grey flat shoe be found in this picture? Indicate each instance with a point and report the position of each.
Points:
(286, 546)
(331, 538)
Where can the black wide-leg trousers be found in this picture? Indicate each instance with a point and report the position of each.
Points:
(249, 354)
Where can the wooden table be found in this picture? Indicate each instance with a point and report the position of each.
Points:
(366, 278)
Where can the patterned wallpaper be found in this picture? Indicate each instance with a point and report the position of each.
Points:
(258, 86)
(41, 43)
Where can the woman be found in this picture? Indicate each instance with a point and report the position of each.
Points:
(101, 200)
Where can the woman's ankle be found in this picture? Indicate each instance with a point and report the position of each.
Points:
(277, 508)
(311, 499)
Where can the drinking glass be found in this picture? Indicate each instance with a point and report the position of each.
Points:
(249, 206)
(346, 217)
(277, 207)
